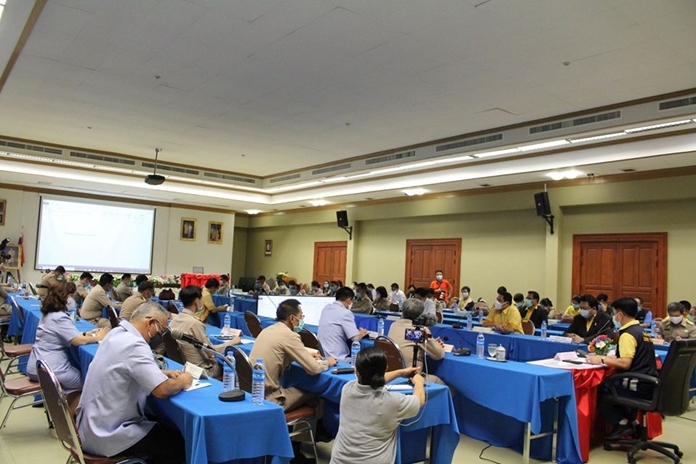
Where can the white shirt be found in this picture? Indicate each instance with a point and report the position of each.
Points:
(397, 297)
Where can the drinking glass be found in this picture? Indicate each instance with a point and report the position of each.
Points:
(491, 349)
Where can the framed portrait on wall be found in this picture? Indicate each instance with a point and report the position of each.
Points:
(3, 209)
(14, 252)
(268, 248)
(188, 229)
(215, 232)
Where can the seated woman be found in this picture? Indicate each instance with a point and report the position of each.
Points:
(370, 414)
(381, 303)
(55, 335)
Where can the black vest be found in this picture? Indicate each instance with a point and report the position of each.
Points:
(644, 359)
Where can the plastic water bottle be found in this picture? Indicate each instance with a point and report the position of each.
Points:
(258, 383)
(543, 330)
(480, 316)
(229, 375)
(469, 322)
(25, 290)
(232, 289)
(226, 325)
(380, 326)
(653, 329)
(480, 345)
(354, 350)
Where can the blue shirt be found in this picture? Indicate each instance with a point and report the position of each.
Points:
(52, 344)
(336, 327)
(111, 413)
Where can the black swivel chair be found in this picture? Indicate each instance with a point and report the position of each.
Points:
(670, 398)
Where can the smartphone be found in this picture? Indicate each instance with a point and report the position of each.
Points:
(343, 370)
(415, 335)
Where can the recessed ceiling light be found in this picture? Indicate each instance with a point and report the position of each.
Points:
(415, 192)
(253, 211)
(319, 202)
(560, 175)
(543, 145)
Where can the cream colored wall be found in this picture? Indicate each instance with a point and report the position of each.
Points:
(170, 255)
(239, 254)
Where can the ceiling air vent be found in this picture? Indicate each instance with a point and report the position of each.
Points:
(470, 142)
(678, 103)
(394, 157)
(107, 159)
(36, 148)
(340, 167)
(164, 167)
(595, 118)
(229, 177)
(284, 178)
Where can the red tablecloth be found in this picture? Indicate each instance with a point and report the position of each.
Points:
(196, 279)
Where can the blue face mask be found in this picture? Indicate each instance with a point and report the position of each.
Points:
(257, 286)
(300, 326)
(527, 303)
(326, 285)
(293, 291)
(617, 324)
(332, 288)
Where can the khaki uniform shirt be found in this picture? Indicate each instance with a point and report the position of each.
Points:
(123, 291)
(92, 307)
(279, 346)
(80, 292)
(130, 305)
(670, 331)
(362, 306)
(48, 280)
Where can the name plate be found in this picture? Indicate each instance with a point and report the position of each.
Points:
(559, 339)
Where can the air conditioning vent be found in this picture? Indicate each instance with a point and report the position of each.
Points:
(284, 178)
(216, 175)
(385, 158)
(164, 167)
(327, 169)
(107, 159)
(36, 148)
(470, 142)
(671, 104)
(595, 118)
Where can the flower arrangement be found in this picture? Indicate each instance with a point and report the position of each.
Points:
(601, 345)
(159, 281)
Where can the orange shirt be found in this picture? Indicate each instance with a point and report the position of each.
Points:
(443, 289)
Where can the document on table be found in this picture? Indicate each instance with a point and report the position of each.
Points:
(568, 360)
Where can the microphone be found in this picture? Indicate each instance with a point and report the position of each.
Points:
(179, 335)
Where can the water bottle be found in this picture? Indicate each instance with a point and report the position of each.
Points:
(480, 345)
(232, 289)
(354, 350)
(228, 375)
(258, 383)
(25, 291)
(469, 322)
(480, 316)
(543, 330)
(653, 329)
(380, 326)
(226, 325)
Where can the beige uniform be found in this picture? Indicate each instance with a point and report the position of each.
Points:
(686, 329)
(130, 305)
(431, 346)
(92, 306)
(279, 346)
(80, 292)
(362, 306)
(123, 291)
(47, 281)
(187, 323)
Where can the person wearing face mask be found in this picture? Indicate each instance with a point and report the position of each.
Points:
(315, 289)
(337, 328)
(441, 287)
(590, 322)
(634, 353)
(504, 317)
(330, 288)
(123, 290)
(281, 288)
(97, 299)
(211, 286)
(279, 345)
(260, 286)
(411, 291)
(466, 303)
(396, 297)
(362, 303)
(125, 372)
(518, 302)
(146, 290)
(82, 287)
(192, 299)
(574, 308)
(676, 326)
(536, 312)
(644, 315)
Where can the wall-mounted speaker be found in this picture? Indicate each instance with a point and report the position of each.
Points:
(543, 207)
(342, 218)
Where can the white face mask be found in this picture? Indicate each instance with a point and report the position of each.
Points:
(465, 294)
(676, 320)
(498, 305)
(585, 313)
(438, 277)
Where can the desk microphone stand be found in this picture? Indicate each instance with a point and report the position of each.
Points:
(233, 395)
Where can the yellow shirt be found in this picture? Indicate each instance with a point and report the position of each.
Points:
(508, 317)
(208, 305)
(628, 343)
(589, 323)
(572, 312)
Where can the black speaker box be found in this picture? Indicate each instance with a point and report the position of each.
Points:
(543, 207)
(342, 218)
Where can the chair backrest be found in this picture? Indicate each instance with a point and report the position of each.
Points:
(439, 316)
(172, 348)
(16, 308)
(171, 307)
(675, 377)
(113, 316)
(244, 368)
(33, 289)
(57, 406)
(253, 323)
(310, 340)
(528, 327)
(395, 360)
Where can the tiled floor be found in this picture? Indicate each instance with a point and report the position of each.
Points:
(27, 440)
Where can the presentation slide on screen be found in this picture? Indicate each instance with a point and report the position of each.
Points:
(84, 236)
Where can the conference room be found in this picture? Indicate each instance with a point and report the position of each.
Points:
(170, 138)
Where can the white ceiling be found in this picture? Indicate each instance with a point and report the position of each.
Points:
(264, 86)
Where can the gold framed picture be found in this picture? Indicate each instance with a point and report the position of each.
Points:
(15, 252)
(188, 229)
(3, 209)
(268, 248)
(215, 232)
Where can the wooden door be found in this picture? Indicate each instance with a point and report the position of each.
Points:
(633, 265)
(330, 261)
(424, 257)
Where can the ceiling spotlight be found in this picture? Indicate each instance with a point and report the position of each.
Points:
(253, 211)
(415, 192)
(319, 202)
(560, 175)
(556, 175)
(154, 178)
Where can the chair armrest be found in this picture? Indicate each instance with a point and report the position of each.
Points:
(644, 404)
(634, 375)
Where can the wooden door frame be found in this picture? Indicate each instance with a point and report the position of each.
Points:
(339, 243)
(658, 237)
(436, 241)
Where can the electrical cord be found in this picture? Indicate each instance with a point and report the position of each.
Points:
(486, 459)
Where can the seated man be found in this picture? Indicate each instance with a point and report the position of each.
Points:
(186, 322)
(279, 345)
(676, 326)
(110, 416)
(123, 290)
(337, 327)
(411, 315)
(644, 316)
(572, 310)
(146, 290)
(261, 287)
(535, 312)
(483, 308)
(50, 279)
(635, 353)
(224, 289)
(211, 286)
(504, 318)
(397, 296)
(423, 295)
(362, 302)
(590, 323)
(98, 299)
(83, 287)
